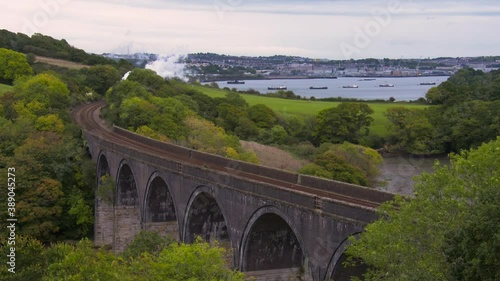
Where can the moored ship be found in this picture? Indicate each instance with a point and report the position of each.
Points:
(277, 88)
(318, 88)
(235, 82)
(386, 85)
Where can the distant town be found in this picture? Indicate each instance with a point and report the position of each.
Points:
(214, 67)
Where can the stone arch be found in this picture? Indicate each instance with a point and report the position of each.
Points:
(127, 220)
(104, 212)
(126, 192)
(159, 205)
(205, 217)
(336, 271)
(270, 241)
(102, 167)
(159, 208)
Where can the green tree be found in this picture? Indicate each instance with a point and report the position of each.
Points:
(45, 88)
(101, 77)
(169, 119)
(85, 263)
(136, 112)
(262, 115)
(120, 92)
(410, 129)
(198, 261)
(340, 169)
(315, 170)
(152, 81)
(50, 122)
(13, 65)
(433, 236)
(229, 116)
(147, 242)
(342, 123)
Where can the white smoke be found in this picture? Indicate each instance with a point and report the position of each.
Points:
(125, 76)
(168, 66)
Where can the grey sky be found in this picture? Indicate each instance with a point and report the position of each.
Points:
(317, 29)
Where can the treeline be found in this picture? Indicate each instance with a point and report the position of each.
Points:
(55, 179)
(43, 45)
(448, 231)
(149, 256)
(466, 113)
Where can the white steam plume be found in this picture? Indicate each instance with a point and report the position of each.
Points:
(168, 66)
(125, 76)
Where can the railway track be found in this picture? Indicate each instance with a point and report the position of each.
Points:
(88, 118)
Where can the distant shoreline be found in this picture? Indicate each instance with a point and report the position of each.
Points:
(310, 78)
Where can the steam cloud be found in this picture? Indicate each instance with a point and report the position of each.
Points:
(168, 66)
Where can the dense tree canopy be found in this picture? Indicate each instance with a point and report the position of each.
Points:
(448, 231)
(13, 65)
(410, 129)
(46, 89)
(345, 162)
(148, 257)
(346, 122)
(101, 77)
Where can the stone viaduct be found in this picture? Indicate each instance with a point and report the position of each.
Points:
(273, 221)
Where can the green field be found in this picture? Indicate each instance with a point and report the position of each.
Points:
(4, 88)
(311, 108)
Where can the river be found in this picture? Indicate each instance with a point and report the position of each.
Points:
(398, 171)
(405, 88)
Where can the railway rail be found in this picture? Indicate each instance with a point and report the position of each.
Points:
(88, 118)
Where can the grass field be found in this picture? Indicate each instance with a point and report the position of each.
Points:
(311, 108)
(4, 88)
(61, 63)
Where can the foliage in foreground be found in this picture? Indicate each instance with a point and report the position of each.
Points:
(449, 231)
(143, 260)
(345, 162)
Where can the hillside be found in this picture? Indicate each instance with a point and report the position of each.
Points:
(60, 62)
(46, 46)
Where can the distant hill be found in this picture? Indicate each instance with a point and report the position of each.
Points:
(46, 46)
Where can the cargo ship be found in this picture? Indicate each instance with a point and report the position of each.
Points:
(428, 83)
(235, 82)
(386, 85)
(350, 86)
(318, 88)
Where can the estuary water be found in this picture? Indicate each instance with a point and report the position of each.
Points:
(397, 171)
(405, 88)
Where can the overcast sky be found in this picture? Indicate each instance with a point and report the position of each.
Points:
(317, 29)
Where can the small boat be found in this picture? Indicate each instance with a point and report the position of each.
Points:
(277, 88)
(386, 85)
(428, 83)
(350, 86)
(367, 79)
(235, 82)
(318, 88)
